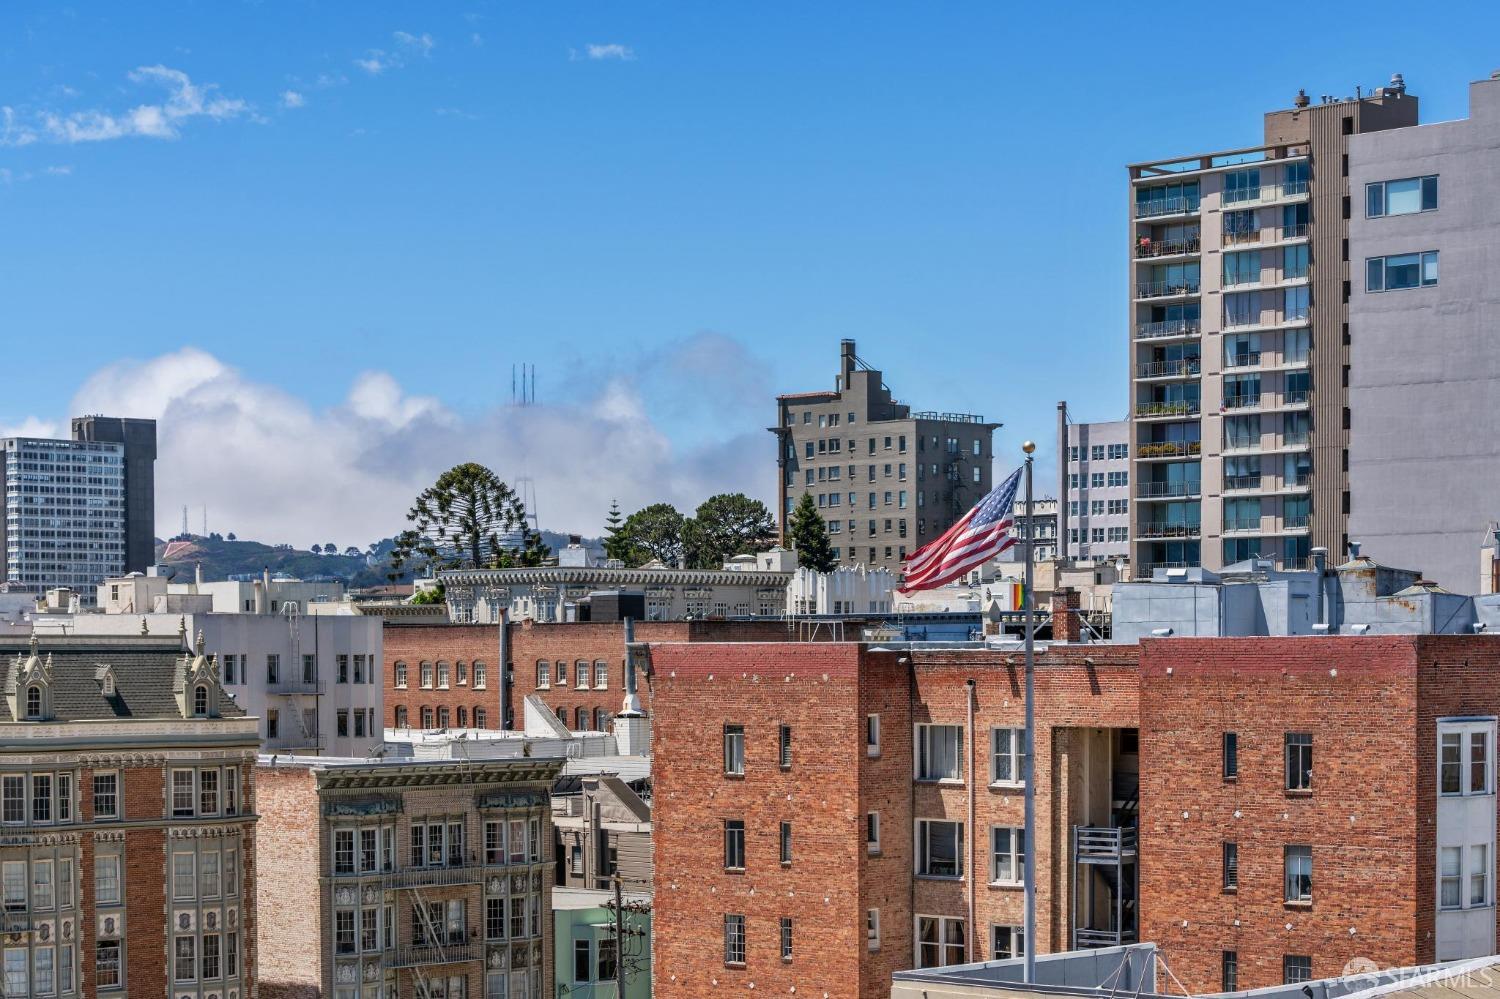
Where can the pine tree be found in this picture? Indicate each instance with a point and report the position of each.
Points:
(808, 534)
(616, 545)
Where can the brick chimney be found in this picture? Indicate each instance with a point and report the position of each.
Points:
(1067, 626)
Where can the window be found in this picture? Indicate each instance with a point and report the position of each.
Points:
(1229, 971)
(41, 798)
(1463, 759)
(734, 939)
(1299, 874)
(583, 961)
(342, 724)
(14, 796)
(107, 879)
(200, 702)
(402, 718)
(107, 964)
(939, 752)
(184, 876)
(208, 792)
(1231, 866)
(1401, 197)
(182, 792)
(42, 894)
(872, 832)
(734, 750)
(940, 848)
(872, 735)
(1231, 755)
(940, 941)
(273, 668)
(343, 931)
(185, 965)
(1296, 968)
(1401, 271)
(872, 929)
(784, 746)
(211, 967)
(734, 844)
(786, 842)
(1006, 755)
(1007, 855)
(1007, 942)
(1299, 761)
(42, 981)
(1450, 877)
(1479, 874)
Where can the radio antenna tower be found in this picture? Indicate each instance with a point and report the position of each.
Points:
(523, 392)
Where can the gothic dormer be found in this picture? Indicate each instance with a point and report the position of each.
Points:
(28, 686)
(196, 683)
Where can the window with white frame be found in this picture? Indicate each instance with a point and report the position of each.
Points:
(1007, 855)
(1464, 758)
(940, 941)
(734, 749)
(872, 735)
(940, 848)
(872, 832)
(1007, 749)
(1401, 271)
(1464, 876)
(872, 929)
(939, 753)
(1298, 861)
(734, 939)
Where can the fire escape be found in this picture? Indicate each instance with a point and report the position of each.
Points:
(1106, 871)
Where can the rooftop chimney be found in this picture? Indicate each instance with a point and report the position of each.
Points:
(1301, 101)
(1353, 550)
(847, 363)
(1067, 626)
(1397, 84)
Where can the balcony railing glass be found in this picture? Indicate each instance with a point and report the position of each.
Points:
(1165, 289)
(1242, 482)
(1169, 529)
(1248, 359)
(1297, 397)
(1168, 449)
(1162, 490)
(1241, 523)
(1242, 401)
(1147, 248)
(1294, 522)
(1265, 193)
(1157, 207)
(1184, 367)
(1167, 409)
(1170, 327)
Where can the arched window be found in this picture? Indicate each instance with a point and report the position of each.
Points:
(400, 672)
(200, 701)
(442, 717)
(562, 674)
(426, 668)
(562, 714)
(601, 720)
(543, 674)
(426, 717)
(401, 716)
(33, 702)
(460, 672)
(479, 718)
(582, 714)
(463, 717)
(601, 674)
(480, 675)
(581, 673)
(442, 674)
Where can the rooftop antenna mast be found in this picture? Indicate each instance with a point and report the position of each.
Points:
(523, 392)
(184, 520)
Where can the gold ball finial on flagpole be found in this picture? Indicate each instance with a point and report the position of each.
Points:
(1029, 446)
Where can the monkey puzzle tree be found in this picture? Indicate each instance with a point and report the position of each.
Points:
(467, 518)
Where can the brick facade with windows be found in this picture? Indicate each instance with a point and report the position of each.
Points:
(423, 654)
(825, 695)
(113, 884)
(1370, 818)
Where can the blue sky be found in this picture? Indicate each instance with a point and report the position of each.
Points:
(661, 206)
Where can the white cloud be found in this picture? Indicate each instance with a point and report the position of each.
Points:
(272, 467)
(65, 170)
(421, 44)
(185, 101)
(292, 99)
(377, 61)
(476, 40)
(624, 53)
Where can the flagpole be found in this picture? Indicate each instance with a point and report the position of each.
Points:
(1028, 929)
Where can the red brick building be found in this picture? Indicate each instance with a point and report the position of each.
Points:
(781, 769)
(126, 797)
(1292, 819)
(1264, 809)
(442, 675)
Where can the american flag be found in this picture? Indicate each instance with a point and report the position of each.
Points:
(978, 536)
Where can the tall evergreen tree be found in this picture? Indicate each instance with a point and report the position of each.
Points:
(808, 533)
(727, 525)
(616, 543)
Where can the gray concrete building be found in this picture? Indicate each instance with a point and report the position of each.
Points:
(887, 479)
(1094, 482)
(1238, 339)
(1424, 374)
(64, 523)
(138, 438)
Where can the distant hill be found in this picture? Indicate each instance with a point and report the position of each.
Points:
(222, 558)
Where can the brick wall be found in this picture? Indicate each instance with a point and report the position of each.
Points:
(292, 942)
(696, 690)
(451, 643)
(1357, 696)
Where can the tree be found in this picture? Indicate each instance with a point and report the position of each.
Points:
(331, 547)
(727, 525)
(230, 536)
(352, 552)
(616, 545)
(808, 533)
(655, 532)
(461, 520)
(317, 549)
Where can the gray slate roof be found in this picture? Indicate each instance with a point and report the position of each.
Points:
(143, 671)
